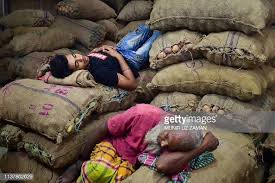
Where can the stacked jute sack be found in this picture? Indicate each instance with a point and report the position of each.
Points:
(49, 126)
(215, 57)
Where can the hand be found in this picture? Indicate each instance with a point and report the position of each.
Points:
(111, 51)
(210, 142)
(45, 77)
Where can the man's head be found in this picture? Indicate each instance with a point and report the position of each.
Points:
(173, 140)
(63, 65)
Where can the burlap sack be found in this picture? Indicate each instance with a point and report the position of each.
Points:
(176, 102)
(50, 40)
(270, 143)
(29, 65)
(128, 28)
(59, 156)
(79, 78)
(110, 27)
(174, 47)
(235, 163)
(19, 162)
(273, 11)
(144, 94)
(24, 30)
(271, 178)
(136, 10)
(86, 32)
(85, 9)
(10, 136)
(27, 17)
(51, 110)
(202, 77)
(5, 75)
(241, 115)
(113, 99)
(116, 4)
(271, 93)
(237, 49)
(5, 36)
(247, 16)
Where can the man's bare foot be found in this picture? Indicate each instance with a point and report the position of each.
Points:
(71, 173)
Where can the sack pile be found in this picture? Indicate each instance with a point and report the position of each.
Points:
(213, 57)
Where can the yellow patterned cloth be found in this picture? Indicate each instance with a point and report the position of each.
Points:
(105, 166)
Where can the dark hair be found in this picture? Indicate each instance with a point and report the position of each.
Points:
(59, 66)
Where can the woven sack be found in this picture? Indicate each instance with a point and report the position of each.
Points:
(88, 33)
(136, 10)
(85, 9)
(239, 50)
(174, 47)
(51, 110)
(247, 16)
(27, 17)
(176, 102)
(61, 155)
(202, 77)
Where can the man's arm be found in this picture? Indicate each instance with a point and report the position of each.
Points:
(126, 80)
(173, 162)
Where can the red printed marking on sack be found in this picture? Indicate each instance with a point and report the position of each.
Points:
(98, 55)
(46, 108)
(60, 90)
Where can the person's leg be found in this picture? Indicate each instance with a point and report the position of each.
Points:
(133, 40)
(145, 48)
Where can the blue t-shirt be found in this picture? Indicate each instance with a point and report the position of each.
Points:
(104, 68)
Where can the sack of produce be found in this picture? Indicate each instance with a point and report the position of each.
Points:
(174, 47)
(144, 94)
(51, 110)
(128, 28)
(242, 116)
(271, 177)
(50, 40)
(110, 28)
(237, 49)
(24, 30)
(61, 155)
(5, 36)
(136, 10)
(247, 16)
(235, 162)
(86, 32)
(10, 136)
(202, 77)
(5, 75)
(27, 17)
(113, 99)
(270, 143)
(116, 4)
(85, 9)
(176, 102)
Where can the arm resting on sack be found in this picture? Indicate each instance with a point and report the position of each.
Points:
(173, 162)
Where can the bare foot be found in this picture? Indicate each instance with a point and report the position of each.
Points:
(71, 173)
